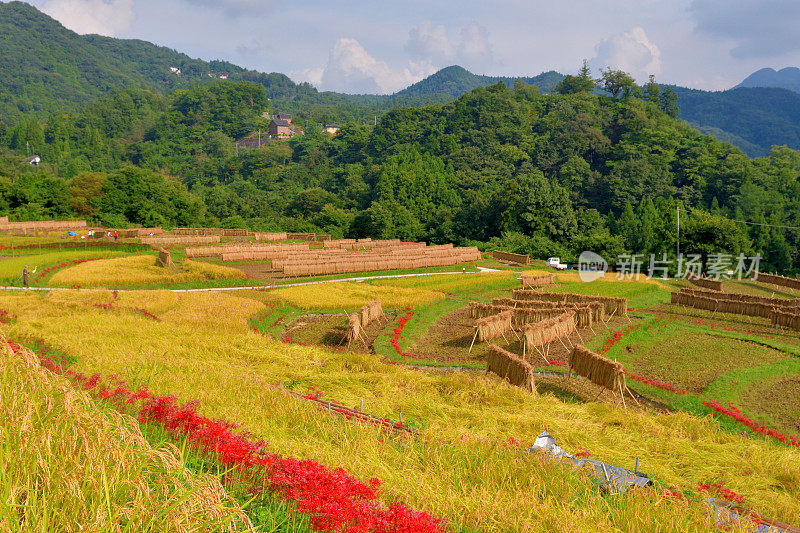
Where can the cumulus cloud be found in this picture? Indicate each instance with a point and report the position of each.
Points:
(631, 51)
(432, 45)
(92, 16)
(767, 28)
(351, 69)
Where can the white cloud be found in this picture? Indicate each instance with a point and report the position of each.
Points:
(631, 51)
(92, 16)
(429, 42)
(351, 69)
(433, 45)
(475, 49)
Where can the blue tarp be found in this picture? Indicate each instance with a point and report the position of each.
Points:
(72, 233)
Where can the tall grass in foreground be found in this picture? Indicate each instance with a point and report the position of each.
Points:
(65, 465)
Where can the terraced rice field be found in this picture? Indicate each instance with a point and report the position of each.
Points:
(252, 358)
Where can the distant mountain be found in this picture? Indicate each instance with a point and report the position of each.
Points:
(760, 116)
(454, 81)
(785, 78)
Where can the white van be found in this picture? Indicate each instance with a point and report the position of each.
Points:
(555, 262)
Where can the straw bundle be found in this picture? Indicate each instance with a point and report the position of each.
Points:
(353, 327)
(180, 239)
(536, 281)
(270, 236)
(494, 326)
(785, 319)
(546, 331)
(43, 225)
(510, 367)
(165, 259)
(301, 236)
(781, 281)
(611, 305)
(511, 257)
(597, 369)
(726, 305)
(714, 285)
(777, 302)
(371, 312)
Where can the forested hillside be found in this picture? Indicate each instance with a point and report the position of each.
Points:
(543, 174)
(47, 68)
(454, 81)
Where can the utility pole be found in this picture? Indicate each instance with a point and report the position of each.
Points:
(678, 211)
(259, 137)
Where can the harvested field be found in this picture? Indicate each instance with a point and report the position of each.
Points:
(330, 330)
(777, 399)
(692, 361)
(448, 339)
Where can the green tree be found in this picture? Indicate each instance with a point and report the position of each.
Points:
(582, 83)
(619, 84)
(652, 91)
(668, 102)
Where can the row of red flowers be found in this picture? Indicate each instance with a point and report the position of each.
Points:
(61, 265)
(398, 333)
(140, 310)
(732, 411)
(334, 500)
(616, 337)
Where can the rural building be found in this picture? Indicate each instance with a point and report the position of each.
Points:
(333, 129)
(33, 160)
(223, 76)
(175, 70)
(284, 116)
(280, 128)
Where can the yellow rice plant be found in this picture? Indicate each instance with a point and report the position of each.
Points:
(66, 465)
(138, 270)
(349, 295)
(465, 470)
(11, 267)
(598, 369)
(510, 367)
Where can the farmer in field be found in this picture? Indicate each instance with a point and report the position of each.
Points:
(25, 277)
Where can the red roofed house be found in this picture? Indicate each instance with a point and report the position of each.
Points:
(284, 116)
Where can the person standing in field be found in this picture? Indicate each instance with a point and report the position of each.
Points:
(116, 236)
(25, 277)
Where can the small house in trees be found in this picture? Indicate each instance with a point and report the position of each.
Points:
(280, 128)
(33, 160)
(284, 116)
(333, 129)
(223, 76)
(175, 70)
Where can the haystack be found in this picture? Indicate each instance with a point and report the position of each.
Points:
(597, 369)
(510, 367)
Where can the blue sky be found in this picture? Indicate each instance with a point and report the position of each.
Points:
(380, 46)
